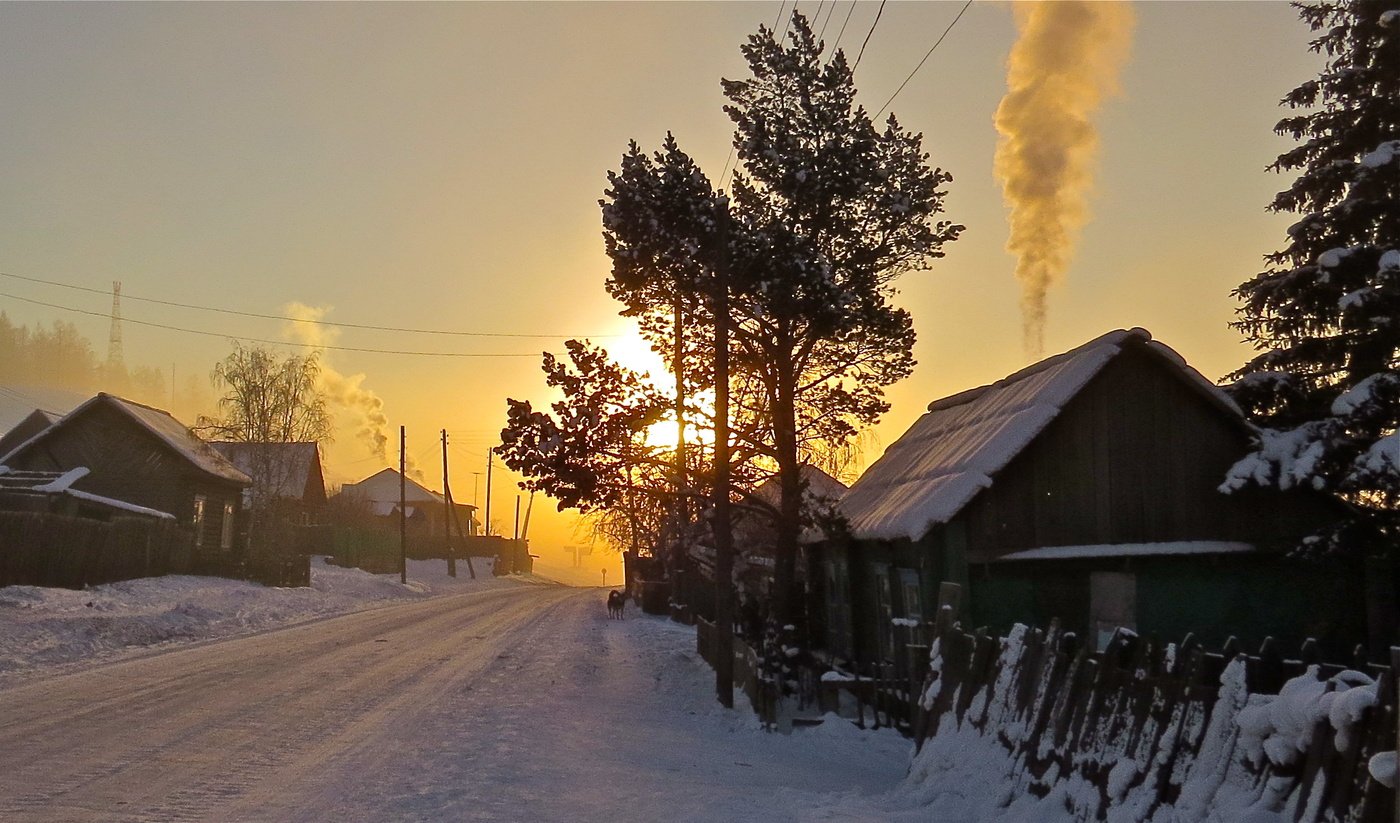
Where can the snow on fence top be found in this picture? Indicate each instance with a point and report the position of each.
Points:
(956, 449)
(1033, 727)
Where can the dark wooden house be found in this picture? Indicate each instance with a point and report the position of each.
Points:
(35, 422)
(1085, 487)
(143, 456)
(282, 473)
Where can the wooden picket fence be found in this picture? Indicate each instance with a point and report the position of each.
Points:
(43, 549)
(1067, 715)
(762, 694)
(62, 551)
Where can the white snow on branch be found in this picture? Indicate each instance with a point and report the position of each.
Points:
(1384, 154)
(1383, 457)
(1288, 458)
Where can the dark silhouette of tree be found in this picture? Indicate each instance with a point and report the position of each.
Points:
(589, 451)
(1325, 315)
(827, 211)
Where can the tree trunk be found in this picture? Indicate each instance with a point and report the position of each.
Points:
(789, 523)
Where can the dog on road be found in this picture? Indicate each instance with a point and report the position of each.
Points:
(616, 603)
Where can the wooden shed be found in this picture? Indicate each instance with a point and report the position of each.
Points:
(144, 456)
(1085, 487)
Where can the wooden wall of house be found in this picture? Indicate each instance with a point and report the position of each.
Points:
(1136, 457)
(131, 464)
(1246, 596)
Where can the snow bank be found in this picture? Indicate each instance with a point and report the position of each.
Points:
(45, 630)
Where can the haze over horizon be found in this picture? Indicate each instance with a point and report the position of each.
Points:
(438, 166)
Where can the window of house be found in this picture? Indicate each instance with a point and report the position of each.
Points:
(226, 536)
(910, 595)
(198, 521)
(1112, 605)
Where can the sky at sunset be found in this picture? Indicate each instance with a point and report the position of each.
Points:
(438, 166)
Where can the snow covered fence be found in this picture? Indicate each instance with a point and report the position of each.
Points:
(1145, 731)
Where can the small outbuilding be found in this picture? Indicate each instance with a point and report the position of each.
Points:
(1085, 487)
(141, 455)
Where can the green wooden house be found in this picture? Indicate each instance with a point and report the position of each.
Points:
(1085, 487)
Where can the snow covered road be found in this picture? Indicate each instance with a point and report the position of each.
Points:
(521, 703)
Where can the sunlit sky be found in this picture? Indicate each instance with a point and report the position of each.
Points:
(439, 165)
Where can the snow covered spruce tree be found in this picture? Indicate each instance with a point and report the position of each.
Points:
(1325, 315)
(826, 212)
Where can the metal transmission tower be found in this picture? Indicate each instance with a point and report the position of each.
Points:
(115, 361)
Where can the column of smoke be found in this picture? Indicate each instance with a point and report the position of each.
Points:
(346, 393)
(1064, 63)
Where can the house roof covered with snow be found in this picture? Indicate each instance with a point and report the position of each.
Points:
(958, 446)
(383, 488)
(61, 483)
(159, 423)
(283, 470)
(33, 423)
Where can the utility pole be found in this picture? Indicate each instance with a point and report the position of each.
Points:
(403, 506)
(517, 517)
(486, 521)
(724, 539)
(447, 511)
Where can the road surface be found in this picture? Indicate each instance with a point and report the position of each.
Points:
(511, 704)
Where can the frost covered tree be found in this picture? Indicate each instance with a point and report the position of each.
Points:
(268, 399)
(826, 211)
(1325, 315)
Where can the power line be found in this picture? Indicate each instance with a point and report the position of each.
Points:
(236, 313)
(864, 42)
(829, 10)
(263, 340)
(840, 33)
(926, 57)
(779, 18)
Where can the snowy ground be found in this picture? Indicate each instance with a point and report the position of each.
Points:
(508, 703)
(43, 631)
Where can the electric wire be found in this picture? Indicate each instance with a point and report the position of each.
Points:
(264, 340)
(822, 34)
(842, 32)
(936, 44)
(866, 41)
(338, 324)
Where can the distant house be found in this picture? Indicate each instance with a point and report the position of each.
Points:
(281, 472)
(35, 422)
(141, 455)
(1084, 487)
(755, 534)
(424, 508)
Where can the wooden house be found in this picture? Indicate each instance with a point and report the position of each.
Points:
(143, 456)
(282, 473)
(1085, 487)
(424, 508)
(35, 422)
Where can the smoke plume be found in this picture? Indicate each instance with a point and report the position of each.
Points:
(1064, 63)
(356, 405)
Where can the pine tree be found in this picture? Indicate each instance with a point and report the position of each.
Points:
(827, 211)
(1325, 315)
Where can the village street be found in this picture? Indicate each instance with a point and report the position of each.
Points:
(518, 703)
